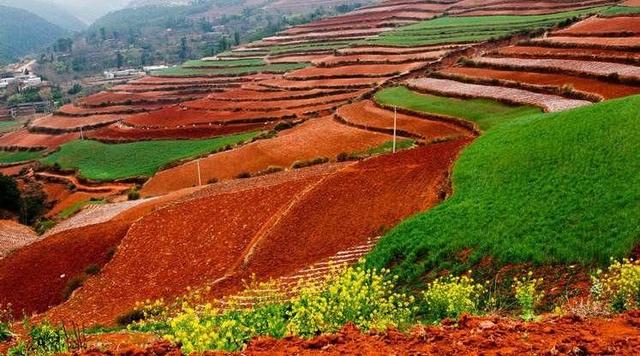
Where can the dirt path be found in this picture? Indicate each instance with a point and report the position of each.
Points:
(82, 187)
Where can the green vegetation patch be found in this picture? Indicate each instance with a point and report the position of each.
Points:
(7, 126)
(473, 28)
(77, 207)
(485, 112)
(18, 156)
(194, 72)
(620, 11)
(548, 188)
(249, 62)
(106, 162)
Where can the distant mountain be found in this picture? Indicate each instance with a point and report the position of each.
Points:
(91, 10)
(141, 3)
(48, 11)
(22, 32)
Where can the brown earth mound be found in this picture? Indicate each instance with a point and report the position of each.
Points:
(321, 137)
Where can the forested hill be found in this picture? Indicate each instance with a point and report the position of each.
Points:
(22, 32)
(48, 11)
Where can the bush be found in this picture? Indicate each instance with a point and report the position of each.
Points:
(243, 175)
(92, 269)
(45, 339)
(44, 225)
(9, 194)
(130, 317)
(270, 170)
(619, 286)
(309, 163)
(449, 297)
(283, 125)
(364, 297)
(73, 284)
(5, 332)
(133, 195)
(528, 295)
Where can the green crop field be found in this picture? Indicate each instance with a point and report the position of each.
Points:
(18, 156)
(249, 62)
(194, 72)
(472, 28)
(546, 188)
(6, 126)
(106, 162)
(280, 49)
(621, 11)
(485, 112)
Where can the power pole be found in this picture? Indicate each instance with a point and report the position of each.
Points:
(199, 175)
(395, 126)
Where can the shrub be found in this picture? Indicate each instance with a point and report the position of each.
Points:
(243, 175)
(528, 295)
(130, 317)
(270, 170)
(73, 284)
(5, 332)
(213, 181)
(309, 163)
(133, 195)
(92, 269)
(449, 297)
(619, 286)
(44, 225)
(283, 125)
(45, 339)
(356, 295)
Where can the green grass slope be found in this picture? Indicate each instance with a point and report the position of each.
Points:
(548, 188)
(486, 113)
(106, 162)
(18, 156)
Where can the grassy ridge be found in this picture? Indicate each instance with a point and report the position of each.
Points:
(472, 28)
(18, 156)
(486, 113)
(107, 162)
(249, 62)
(547, 188)
(203, 71)
(620, 11)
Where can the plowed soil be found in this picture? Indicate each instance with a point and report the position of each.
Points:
(604, 89)
(550, 103)
(367, 114)
(28, 140)
(13, 236)
(352, 71)
(295, 58)
(476, 336)
(568, 53)
(253, 95)
(184, 245)
(121, 133)
(596, 25)
(69, 123)
(595, 41)
(179, 117)
(326, 83)
(321, 137)
(333, 61)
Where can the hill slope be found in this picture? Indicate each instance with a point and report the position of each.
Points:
(22, 32)
(48, 11)
(550, 188)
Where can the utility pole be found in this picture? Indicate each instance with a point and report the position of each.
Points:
(199, 175)
(81, 134)
(395, 126)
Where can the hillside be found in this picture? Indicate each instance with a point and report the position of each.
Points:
(437, 176)
(49, 11)
(22, 32)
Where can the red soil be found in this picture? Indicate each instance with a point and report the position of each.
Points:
(72, 110)
(367, 114)
(27, 140)
(595, 25)
(475, 336)
(63, 203)
(567, 53)
(295, 58)
(13, 170)
(604, 89)
(603, 42)
(284, 104)
(337, 213)
(69, 123)
(381, 50)
(245, 94)
(323, 83)
(178, 117)
(121, 133)
(351, 71)
(321, 137)
(332, 61)
(177, 247)
(631, 3)
(33, 277)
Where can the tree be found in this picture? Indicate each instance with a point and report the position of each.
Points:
(33, 205)
(184, 50)
(9, 194)
(119, 60)
(103, 34)
(236, 37)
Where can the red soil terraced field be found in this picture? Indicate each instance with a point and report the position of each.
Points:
(603, 69)
(60, 124)
(595, 26)
(502, 7)
(295, 58)
(590, 42)
(321, 137)
(352, 71)
(259, 238)
(548, 102)
(324, 35)
(143, 98)
(210, 104)
(170, 235)
(338, 83)
(604, 89)
(366, 114)
(77, 111)
(244, 94)
(604, 55)
(381, 50)
(24, 139)
(333, 61)
(474, 336)
(14, 236)
(123, 133)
